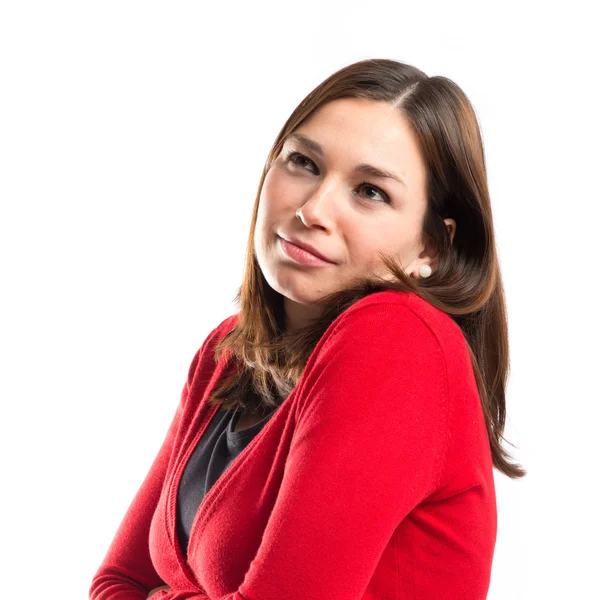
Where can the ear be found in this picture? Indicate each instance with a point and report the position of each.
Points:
(451, 226)
(429, 254)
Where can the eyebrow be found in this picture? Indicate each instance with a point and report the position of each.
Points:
(364, 168)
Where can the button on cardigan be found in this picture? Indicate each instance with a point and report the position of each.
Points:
(372, 480)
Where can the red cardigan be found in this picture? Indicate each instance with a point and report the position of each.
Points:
(372, 480)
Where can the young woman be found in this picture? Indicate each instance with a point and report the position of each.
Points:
(336, 437)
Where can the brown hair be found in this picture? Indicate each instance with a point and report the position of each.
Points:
(466, 284)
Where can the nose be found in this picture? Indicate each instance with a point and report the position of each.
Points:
(319, 208)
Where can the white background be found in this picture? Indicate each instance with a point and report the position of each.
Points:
(132, 138)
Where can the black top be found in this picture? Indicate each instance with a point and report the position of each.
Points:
(217, 448)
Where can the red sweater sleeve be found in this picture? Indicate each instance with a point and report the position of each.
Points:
(371, 438)
(127, 572)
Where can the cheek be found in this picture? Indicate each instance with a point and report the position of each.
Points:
(369, 243)
(271, 212)
(278, 191)
(367, 240)
(268, 204)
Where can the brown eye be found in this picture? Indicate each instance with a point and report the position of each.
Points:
(297, 158)
(367, 185)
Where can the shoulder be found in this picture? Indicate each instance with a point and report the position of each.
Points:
(204, 357)
(398, 328)
(391, 332)
(402, 315)
(220, 331)
(224, 327)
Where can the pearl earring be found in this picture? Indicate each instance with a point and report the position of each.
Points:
(425, 271)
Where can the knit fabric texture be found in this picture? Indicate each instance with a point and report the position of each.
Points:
(373, 479)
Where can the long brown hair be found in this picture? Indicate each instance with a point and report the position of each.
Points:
(466, 284)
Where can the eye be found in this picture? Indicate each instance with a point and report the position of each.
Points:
(385, 197)
(299, 159)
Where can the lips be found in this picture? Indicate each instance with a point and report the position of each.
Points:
(306, 247)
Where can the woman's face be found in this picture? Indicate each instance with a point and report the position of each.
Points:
(316, 193)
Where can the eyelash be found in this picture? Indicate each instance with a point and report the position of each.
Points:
(292, 155)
